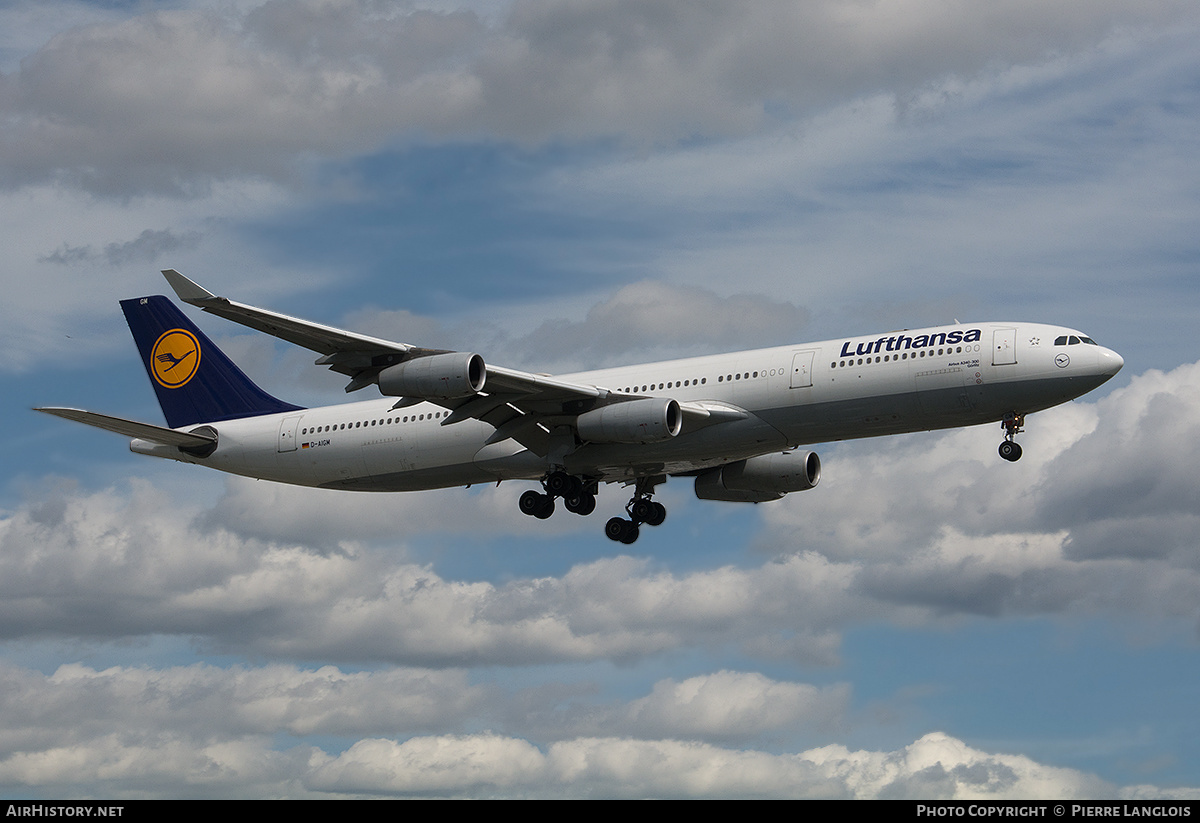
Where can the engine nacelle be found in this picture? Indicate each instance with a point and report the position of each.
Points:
(649, 420)
(438, 376)
(762, 478)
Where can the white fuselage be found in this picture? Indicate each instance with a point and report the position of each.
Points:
(898, 382)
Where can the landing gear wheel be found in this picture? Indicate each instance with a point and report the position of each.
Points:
(582, 504)
(1013, 424)
(1010, 451)
(531, 502)
(641, 510)
(536, 504)
(621, 530)
(561, 484)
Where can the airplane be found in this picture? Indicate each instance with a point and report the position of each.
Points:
(737, 423)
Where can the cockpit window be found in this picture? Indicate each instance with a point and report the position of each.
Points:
(1060, 341)
(1073, 340)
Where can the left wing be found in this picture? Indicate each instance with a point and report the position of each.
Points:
(357, 355)
(521, 405)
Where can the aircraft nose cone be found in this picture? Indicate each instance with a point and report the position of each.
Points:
(1110, 362)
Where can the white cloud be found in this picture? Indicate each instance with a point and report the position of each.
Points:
(640, 322)
(1098, 515)
(939, 766)
(77, 702)
(852, 159)
(105, 564)
(70, 257)
(904, 529)
(651, 320)
(934, 767)
(733, 705)
(442, 765)
(903, 210)
(169, 100)
(201, 729)
(977, 187)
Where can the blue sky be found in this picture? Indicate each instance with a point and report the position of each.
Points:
(567, 185)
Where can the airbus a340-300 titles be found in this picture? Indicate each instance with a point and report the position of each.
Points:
(737, 423)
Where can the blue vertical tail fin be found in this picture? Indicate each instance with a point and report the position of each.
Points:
(194, 380)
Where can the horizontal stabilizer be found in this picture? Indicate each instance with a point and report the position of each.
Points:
(131, 428)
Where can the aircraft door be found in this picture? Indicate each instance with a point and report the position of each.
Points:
(287, 434)
(1004, 347)
(802, 362)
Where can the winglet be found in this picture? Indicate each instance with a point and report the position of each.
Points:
(188, 291)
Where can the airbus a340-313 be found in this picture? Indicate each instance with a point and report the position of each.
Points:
(739, 423)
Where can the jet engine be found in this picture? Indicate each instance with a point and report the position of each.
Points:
(437, 377)
(762, 478)
(649, 420)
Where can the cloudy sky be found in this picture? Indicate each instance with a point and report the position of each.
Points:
(560, 185)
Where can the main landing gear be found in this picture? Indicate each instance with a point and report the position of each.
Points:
(1013, 425)
(578, 497)
(641, 509)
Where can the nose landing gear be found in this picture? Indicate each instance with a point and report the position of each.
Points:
(1013, 424)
